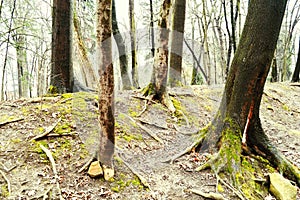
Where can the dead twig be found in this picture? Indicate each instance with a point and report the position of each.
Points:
(185, 132)
(144, 109)
(7, 181)
(10, 121)
(87, 164)
(152, 124)
(51, 159)
(47, 131)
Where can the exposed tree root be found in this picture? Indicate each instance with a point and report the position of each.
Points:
(7, 182)
(11, 121)
(140, 177)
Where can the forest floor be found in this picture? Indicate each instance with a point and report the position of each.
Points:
(147, 137)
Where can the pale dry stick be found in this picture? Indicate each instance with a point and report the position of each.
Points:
(144, 109)
(47, 131)
(231, 188)
(7, 181)
(51, 159)
(87, 164)
(185, 132)
(209, 195)
(152, 124)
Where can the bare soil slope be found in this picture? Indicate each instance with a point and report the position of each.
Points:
(148, 137)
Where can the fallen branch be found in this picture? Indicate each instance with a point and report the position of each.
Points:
(41, 99)
(51, 159)
(11, 121)
(209, 195)
(87, 164)
(47, 131)
(145, 108)
(185, 132)
(152, 124)
(7, 181)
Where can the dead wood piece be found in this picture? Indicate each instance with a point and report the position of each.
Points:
(7, 181)
(140, 177)
(51, 159)
(88, 163)
(145, 98)
(11, 121)
(209, 195)
(152, 124)
(41, 99)
(47, 131)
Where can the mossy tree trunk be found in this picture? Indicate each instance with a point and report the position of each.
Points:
(61, 57)
(236, 128)
(158, 86)
(121, 49)
(296, 73)
(86, 66)
(177, 43)
(106, 87)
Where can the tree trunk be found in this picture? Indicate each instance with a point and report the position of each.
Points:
(274, 74)
(121, 49)
(177, 43)
(106, 88)
(86, 66)
(134, 70)
(237, 125)
(62, 70)
(296, 73)
(151, 28)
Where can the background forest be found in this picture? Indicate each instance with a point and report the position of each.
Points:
(211, 34)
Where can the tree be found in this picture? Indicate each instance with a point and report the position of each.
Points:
(177, 43)
(158, 86)
(106, 88)
(134, 70)
(121, 49)
(296, 73)
(62, 71)
(236, 129)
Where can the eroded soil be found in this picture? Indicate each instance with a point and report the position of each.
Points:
(146, 140)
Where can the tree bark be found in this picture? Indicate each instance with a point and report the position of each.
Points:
(61, 57)
(177, 43)
(134, 70)
(296, 73)
(121, 49)
(237, 126)
(106, 87)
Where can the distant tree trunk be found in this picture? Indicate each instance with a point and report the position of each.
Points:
(134, 71)
(177, 43)
(158, 85)
(121, 49)
(296, 73)
(237, 125)
(151, 28)
(6, 49)
(106, 87)
(274, 70)
(62, 70)
(88, 73)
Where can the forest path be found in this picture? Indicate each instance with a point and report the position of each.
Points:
(30, 175)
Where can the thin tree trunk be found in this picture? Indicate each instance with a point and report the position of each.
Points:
(177, 43)
(296, 73)
(106, 88)
(121, 49)
(86, 65)
(152, 29)
(6, 50)
(134, 71)
(274, 74)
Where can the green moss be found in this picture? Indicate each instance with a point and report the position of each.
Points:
(63, 128)
(52, 89)
(285, 107)
(15, 140)
(4, 191)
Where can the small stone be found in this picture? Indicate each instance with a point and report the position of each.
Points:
(281, 188)
(108, 172)
(95, 169)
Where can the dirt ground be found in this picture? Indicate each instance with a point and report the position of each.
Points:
(147, 138)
